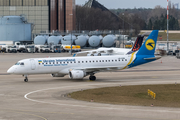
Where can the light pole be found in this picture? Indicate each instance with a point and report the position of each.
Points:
(123, 30)
(71, 35)
(167, 26)
(71, 42)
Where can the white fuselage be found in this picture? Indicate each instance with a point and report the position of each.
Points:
(63, 65)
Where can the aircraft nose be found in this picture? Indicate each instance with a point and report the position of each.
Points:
(10, 70)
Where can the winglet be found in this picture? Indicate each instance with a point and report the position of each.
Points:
(74, 55)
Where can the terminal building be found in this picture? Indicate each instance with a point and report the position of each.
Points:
(46, 15)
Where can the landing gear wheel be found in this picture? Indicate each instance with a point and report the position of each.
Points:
(26, 79)
(92, 78)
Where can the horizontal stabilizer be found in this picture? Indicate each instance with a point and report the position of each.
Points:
(152, 58)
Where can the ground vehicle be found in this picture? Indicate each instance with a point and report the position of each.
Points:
(42, 48)
(6, 44)
(67, 48)
(30, 48)
(20, 47)
(56, 48)
(11, 49)
(3, 48)
(178, 54)
(129, 44)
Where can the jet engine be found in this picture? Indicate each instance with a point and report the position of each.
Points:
(57, 75)
(77, 74)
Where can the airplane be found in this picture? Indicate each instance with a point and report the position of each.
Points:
(114, 51)
(80, 67)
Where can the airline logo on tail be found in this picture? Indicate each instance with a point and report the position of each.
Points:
(150, 44)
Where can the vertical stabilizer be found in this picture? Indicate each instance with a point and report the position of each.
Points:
(138, 43)
(149, 46)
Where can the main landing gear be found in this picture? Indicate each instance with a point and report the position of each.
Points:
(93, 78)
(26, 78)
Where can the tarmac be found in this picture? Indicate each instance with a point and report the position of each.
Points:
(45, 97)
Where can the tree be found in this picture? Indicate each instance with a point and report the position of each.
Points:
(150, 25)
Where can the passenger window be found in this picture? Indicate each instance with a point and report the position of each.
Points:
(112, 60)
(99, 60)
(78, 61)
(102, 60)
(86, 61)
(109, 60)
(96, 60)
(116, 60)
(106, 60)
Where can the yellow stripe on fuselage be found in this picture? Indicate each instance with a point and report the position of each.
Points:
(132, 56)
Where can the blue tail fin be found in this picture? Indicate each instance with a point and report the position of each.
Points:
(149, 46)
(146, 52)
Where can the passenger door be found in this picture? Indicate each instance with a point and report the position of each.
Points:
(33, 64)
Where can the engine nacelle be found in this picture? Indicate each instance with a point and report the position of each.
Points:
(77, 74)
(57, 75)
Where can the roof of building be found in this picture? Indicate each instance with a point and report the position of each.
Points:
(95, 4)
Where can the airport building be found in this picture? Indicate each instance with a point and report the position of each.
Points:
(46, 15)
(95, 4)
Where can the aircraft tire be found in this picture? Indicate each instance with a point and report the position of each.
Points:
(92, 78)
(25, 80)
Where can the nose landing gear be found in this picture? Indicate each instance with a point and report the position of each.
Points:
(26, 78)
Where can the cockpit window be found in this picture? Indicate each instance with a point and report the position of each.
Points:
(17, 63)
(22, 63)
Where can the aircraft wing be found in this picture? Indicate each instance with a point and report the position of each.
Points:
(101, 50)
(98, 69)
